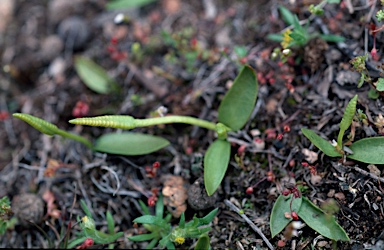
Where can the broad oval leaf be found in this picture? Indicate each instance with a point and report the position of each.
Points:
(237, 105)
(324, 224)
(94, 76)
(321, 143)
(380, 84)
(216, 161)
(368, 150)
(129, 143)
(282, 205)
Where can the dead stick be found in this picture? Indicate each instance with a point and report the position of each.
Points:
(373, 176)
(253, 226)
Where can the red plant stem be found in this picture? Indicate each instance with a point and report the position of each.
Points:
(377, 30)
(263, 179)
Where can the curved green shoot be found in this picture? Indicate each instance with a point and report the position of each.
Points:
(128, 122)
(346, 121)
(50, 129)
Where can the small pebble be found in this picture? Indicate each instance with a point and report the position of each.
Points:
(28, 208)
(198, 198)
(74, 31)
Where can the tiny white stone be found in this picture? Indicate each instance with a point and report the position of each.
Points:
(119, 18)
(286, 52)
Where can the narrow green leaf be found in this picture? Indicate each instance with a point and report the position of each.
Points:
(278, 221)
(216, 161)
(203, 243)
(75, 242)
(124, 4)
(152, 244)
(208, 218)
(332, 38)
(129, 143)
(39, 124)
(368, 150)
(324, 224)
(287, 15)
(169, 244)
(298, 28)
(102, 238)
(110, 223)
(319, 142)
(182, 221)
(346, 121)
(85, 209)
(275, 37)
(160, 207)
(142, 237)
(237, 105)
(144, 208)
(150, 219)
(95, 77)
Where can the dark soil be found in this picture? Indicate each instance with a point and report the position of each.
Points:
(39, 42)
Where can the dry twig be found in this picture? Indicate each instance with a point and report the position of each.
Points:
(251, 224)
(373, 176)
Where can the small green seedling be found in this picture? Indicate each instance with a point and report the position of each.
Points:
(377, 87)
(234, 111)
(162, 232)
(292, 206)
(89, 231)
(299, 35)
(367, 150)
(318, 9)
(6, 220)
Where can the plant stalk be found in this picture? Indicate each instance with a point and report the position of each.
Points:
(74, 137)
(175, 119)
